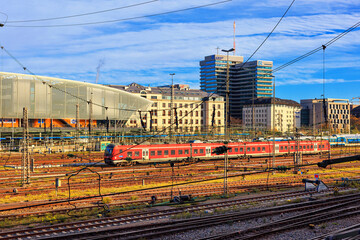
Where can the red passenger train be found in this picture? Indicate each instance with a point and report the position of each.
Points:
(142, 154)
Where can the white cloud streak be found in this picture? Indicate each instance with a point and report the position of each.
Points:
(146, 51)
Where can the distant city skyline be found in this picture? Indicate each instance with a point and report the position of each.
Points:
(145, 50)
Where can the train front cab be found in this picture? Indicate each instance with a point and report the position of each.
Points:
(108, 155)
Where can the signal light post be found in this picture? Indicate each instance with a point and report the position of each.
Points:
(227, 117)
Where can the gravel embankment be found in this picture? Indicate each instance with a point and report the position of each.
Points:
(298, 234)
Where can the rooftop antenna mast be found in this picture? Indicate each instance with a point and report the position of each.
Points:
(101, 63)
(217, 51)
(234, 39)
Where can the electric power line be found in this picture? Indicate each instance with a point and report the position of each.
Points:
(210, 95)
(119, 20)
(353, 27)
(159, 132)
(162, 131)
(269, 33)
(82, 14)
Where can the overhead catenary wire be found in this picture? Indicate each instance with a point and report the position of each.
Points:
(139, 190)
(165, 129)
(197, 104)
(6, 20)
(211, 94)
(353, 27)
(134, 110)
(269, 34)
(82, 14)
(79, 98)
(119, 20)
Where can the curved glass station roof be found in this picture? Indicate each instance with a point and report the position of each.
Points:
(47, 97)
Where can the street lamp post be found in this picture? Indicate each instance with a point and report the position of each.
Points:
(227, 117)
(171, 104)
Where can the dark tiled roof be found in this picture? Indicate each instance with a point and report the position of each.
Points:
(166, 91)
(269, 100)
(356, 111)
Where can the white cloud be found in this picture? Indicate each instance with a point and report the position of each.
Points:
(309, 81)
(146, 50)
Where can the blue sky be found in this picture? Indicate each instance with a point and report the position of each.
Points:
(146, 50)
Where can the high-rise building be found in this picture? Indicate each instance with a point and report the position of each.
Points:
(213, 72)
(246, 81)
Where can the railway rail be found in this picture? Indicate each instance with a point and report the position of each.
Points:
(84, 226)
(120, 227)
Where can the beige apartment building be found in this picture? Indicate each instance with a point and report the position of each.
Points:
(195, 110)
(259, 116)
(337, 112)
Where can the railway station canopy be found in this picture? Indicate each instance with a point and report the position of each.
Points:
(55, 98)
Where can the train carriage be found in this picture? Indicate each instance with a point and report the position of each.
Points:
(154, 153)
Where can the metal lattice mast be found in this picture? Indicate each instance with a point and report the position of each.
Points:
(77, 117)
(25, 178)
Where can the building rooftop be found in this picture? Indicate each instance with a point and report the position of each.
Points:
(269, 100)
(356, 111)
(179, 90)
(317, 100)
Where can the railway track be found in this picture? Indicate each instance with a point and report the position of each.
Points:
(346, 208)
(120, 227)
(123, 199)
(344, 231)
(80, 228)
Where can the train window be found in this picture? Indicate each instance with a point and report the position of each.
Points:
(152, 153)
(300, 147)
(311, 146)
(230, 150)
(296, 147)
(186, 151)
(121, 150)
(292, 147)
(281, 148)
(159, 153)
(308, 147)
(195, 151)
(166, 152)
(248, 149)
(323, 146)
(285, 147)
(263, 148)
(180, 152)
(137, 154)
(172, 152)
(258, 149)
(253, 149)
(241, 149)
(201, 150)
(129, 154)
(236, 149)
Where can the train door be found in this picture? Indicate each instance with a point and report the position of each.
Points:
(145, 154)
(315, 147)
(276, 148)
(288, 148)
(208, 152)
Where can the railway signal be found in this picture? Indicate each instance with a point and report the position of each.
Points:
(221, 150)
